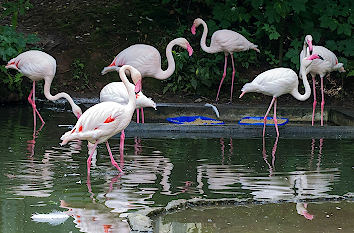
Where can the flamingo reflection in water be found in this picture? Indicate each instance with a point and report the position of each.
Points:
(94, 217)
(274, 150)
(231, 150)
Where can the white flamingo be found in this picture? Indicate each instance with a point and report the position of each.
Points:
(226, 41)
(101, 121)
(321, 67)
(147, 60)
(38, 65)
(277, 82)
(117, 92)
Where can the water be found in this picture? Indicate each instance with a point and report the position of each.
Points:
(38, 176)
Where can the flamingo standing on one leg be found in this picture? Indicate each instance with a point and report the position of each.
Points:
(117, 92)
(321, 67)
(103, 120)
(147, 60)
(38, 65)
(277, 82)
(226, 41)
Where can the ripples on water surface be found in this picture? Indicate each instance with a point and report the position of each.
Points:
(40, 176)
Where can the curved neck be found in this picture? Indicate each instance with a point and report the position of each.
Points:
(127, 84)
(49, 96)
(307, 93)
(164, 74)
(203, 39)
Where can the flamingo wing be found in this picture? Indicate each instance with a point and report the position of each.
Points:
(99, 122)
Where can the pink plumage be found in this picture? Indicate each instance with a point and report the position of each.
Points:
(103, 120)
(38, 65)
(147, 60)
(321, 67)
(226, 41)
(277, 82)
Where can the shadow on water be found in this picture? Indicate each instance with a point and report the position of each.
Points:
(38, 176)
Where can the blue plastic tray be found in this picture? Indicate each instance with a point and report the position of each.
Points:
(194, 120)
(261, 122)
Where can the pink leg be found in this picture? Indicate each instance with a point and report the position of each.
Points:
(122, 137)
(314, 99)
(89, 159)
(323, 101)
(265, 117)
(275, 117)
(114, 163)
(137, 115)
(34, 103)
(233, 76)
(222, 79)
(142, 116)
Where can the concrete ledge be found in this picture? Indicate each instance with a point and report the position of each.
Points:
(165, 130)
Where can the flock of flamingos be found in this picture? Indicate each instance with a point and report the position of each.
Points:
(120, 99)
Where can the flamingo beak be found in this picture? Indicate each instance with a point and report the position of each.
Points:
(193, 28)
(138, 86)
(242, 94)
(189, 49)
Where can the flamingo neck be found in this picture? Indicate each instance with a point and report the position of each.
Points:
(307, 93)
(203, 39)
(127, 84)
(164, 74)
(49, 96)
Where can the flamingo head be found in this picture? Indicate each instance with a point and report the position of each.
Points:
(12, 64)
(184, 44)
(308, 41)
(196, 23)
(308, 215)
(77, 111)
(136, 77)
(246, 88)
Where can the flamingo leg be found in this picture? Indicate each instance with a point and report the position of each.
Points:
(90, 157)
(33, 103)
(314, 99)
(142, 116)
(122, 137)
(223, 77)
(114, 163)
(137, 115)
(233, 76)
(323, 101)
(265, 116)
(275, 117)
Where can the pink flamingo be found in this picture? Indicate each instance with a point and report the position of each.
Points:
(101, 121)
(38, 65)
(226, 41)
(321, 67)
(147, 60)
(277, 82)
(301, 209)
(116, 92)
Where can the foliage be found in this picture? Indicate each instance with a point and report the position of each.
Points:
(277, 27)
(78, 70)
(12, 42)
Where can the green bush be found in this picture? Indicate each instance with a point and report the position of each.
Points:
(13, 43)
(277, 27)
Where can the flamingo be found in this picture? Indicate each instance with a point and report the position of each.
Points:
(279, 81)
(321, 67)
(38, 65)
(101, 121)
(116, 92)
(226, 41)
(147, 60)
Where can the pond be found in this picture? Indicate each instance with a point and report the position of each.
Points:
(38, 176)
